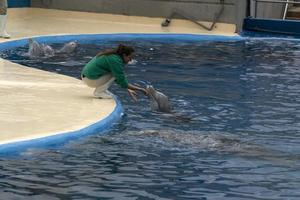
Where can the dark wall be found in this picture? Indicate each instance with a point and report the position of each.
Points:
(201, 9)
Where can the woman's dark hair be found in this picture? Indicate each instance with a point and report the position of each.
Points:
(121, 50)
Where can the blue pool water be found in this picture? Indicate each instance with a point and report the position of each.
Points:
(242, 142)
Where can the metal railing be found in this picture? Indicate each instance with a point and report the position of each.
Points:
(286, 2)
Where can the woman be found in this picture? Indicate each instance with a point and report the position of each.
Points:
(106, 67)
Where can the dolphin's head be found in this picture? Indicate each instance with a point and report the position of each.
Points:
(72, 45)
(152, 97)
(69, 47)
(151, 91)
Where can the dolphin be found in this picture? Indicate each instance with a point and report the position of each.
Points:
(158, 101)
(43, 50)
(68, 47)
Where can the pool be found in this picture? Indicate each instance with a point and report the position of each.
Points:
(242, 142)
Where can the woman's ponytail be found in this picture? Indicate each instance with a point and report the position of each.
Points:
(121, 50)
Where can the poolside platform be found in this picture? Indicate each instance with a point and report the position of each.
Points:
(36, 103)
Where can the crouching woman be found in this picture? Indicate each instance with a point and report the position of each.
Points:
(107, 67)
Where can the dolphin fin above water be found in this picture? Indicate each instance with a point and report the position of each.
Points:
(39, 50)
(48, 50)
(35, 49)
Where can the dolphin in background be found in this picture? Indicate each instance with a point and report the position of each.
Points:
(43, 50)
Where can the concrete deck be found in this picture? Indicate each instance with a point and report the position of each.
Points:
(36, 103)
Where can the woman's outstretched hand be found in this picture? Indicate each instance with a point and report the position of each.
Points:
(144, 91)
(133, 94)
(132, 91)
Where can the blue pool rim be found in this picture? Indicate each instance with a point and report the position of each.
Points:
(103, 125)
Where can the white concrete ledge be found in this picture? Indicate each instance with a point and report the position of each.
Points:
(37, 104)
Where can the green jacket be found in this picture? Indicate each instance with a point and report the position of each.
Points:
(105, 64)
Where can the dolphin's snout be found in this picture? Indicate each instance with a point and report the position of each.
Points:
(150, 89)
(73, 44)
